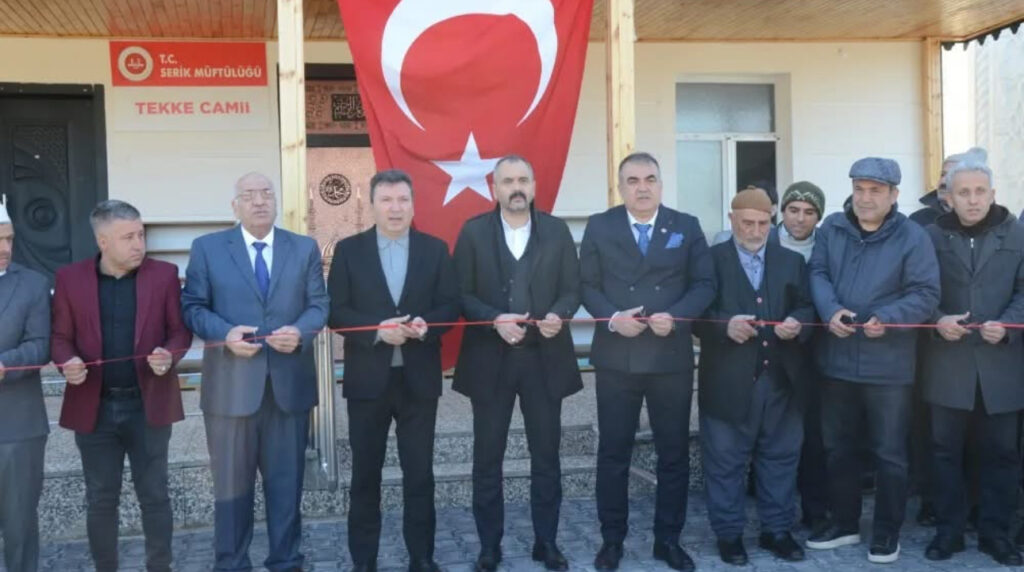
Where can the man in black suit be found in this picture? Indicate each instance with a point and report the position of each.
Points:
(518, 270)
(751, 381)
(401, 280)
(644, 266)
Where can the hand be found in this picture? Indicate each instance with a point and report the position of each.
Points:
(74, 371)
(509, 329)
(550, 325)
(391, 331)
(625, 323)
(159, 361)
(740, 329)
(837, 327)
(874, 328)
(661, 323)
(417, 328)
(993, 332)
(788, 329)
(285, 339)
(238, 345)
(950, 329)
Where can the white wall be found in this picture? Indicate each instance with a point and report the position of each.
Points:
(842, 102)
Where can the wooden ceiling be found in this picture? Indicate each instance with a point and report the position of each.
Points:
(656, 20)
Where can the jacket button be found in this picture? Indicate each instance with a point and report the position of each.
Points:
(398, 312)
(765, 343)
(657, 287)
(631, 288)
(766, 362)
(759, 300)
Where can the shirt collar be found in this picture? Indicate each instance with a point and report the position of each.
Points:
(633, 220)
(507, 228)
(249, 239)
(384, 242)
(746, 254)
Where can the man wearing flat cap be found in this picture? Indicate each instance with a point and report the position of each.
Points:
(751, 381)
(871, 268)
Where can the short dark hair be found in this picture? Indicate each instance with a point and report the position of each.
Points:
(639, 157)
(112, 210)
(513, 158)
(390, 177)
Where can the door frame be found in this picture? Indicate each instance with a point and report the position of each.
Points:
(95, 92)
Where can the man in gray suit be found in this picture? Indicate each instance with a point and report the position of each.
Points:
(24, 342)
(259, 290)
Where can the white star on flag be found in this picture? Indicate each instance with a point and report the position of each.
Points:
(469, 172)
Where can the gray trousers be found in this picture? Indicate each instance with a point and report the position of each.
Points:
(21, 483)
(770, 437)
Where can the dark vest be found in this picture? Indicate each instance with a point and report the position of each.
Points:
(516, 275)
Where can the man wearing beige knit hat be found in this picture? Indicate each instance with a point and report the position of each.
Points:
(751, 381)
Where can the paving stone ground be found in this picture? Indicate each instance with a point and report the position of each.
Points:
(324, 544)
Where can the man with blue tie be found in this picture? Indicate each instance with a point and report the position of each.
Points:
(643, 267)
(259, 290)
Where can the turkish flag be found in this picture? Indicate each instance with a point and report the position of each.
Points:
(450, 86)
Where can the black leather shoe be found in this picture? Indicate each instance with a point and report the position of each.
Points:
(608, 557)
(943, 547)
(672, 554)
(1001, 550)
(424, 565)
(371, 567)
(550, 555)
(488, 559)
(731, 551)
(926, 514)
(782, 545)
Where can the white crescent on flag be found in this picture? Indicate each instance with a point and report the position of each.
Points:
(411, 18)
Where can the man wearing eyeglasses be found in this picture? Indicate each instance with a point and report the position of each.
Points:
(258, 290)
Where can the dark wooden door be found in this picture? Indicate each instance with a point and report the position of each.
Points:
(48, 171)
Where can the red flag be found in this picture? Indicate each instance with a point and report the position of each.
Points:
(450, 86)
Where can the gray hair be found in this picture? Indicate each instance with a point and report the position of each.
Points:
(973, 155)
(639, 157)
(109, 211)
(513, 158)
(971, 165)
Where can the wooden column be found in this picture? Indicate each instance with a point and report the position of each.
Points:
(931, 99)
(620, 87)
(292, 110)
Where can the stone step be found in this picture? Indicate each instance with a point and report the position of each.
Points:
(62, 509)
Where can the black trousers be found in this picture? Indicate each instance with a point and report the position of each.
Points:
(994, 443)
(21, 483)
(369, 421)
(882, 412)
(522, 375)
(619, 399)
(812, 474)
(121, 429)
(769, 438)
(273, 442)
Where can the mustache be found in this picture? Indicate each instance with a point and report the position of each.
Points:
(518, 194)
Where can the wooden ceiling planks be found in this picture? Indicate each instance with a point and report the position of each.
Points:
(656, 20)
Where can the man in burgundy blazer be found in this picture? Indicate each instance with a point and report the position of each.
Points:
(125, 309)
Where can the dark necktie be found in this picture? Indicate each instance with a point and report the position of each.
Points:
(262, 272)
(643, 241)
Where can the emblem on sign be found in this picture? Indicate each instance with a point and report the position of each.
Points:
(335, 189)
(135, 63)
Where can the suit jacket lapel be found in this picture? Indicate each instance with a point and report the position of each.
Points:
(283, 253)
(413, 267)
(143, 298)
(372, 253)
(6, 294)
(623, 233)
(240, 254)
(89, 293)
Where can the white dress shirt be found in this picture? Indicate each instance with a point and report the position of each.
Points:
(516, 238)
(268, 250)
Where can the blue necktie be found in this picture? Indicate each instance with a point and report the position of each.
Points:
(262, 272)
(643, 241)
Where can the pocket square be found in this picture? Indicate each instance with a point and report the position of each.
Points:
(675, 240)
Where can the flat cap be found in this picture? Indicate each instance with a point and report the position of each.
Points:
(884, 171)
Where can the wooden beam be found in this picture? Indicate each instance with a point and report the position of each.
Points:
(292, 105)
(620, 87)
(931, 98)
